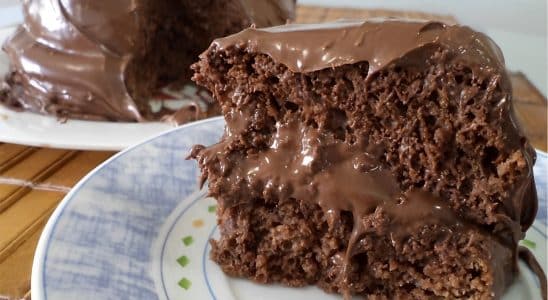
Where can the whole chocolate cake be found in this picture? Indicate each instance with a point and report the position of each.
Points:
(102, 60)
(379, 159)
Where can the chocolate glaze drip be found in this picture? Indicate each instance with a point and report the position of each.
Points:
(527, 256)
(312, 47)
(72, 55)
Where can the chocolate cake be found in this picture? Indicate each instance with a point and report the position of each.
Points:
(377, 158)
(102, 60)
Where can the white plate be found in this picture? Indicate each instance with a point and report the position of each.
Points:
(47, 131)
(138, 228)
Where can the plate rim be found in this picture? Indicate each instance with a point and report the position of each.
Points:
(99, 143)
(38, 265)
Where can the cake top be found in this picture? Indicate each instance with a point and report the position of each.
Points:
(312, 47)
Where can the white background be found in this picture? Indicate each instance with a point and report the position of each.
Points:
(518, 26)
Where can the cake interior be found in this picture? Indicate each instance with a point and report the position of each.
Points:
(438, 135)
(173, 34)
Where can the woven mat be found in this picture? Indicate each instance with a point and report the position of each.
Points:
(34, 180)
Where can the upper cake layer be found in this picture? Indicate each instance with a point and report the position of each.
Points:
(71, 57)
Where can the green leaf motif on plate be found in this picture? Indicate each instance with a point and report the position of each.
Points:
(529, 244)
(188, 240)
(183, 261)
(185, 283)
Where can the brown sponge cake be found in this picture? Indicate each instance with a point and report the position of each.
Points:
(370, 158)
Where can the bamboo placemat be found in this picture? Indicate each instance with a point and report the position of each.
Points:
(34, 180)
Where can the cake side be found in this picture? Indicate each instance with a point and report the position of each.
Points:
(102, 61)
(316, 135)
(72, 67)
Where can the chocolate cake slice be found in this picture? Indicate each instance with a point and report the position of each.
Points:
(379, 159)
(103, 60)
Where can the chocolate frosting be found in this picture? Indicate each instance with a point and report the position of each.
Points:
(527, 256)
(305, 163)
(71, 55)
(312, 47)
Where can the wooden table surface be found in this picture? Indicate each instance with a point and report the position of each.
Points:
(34, 180)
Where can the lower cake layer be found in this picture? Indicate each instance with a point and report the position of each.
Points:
(295, 243)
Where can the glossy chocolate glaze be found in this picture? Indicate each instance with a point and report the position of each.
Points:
(70, 56)
(312, 47)
(527, 256)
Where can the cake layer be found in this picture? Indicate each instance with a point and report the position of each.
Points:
(92, 60)
(298, 244)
